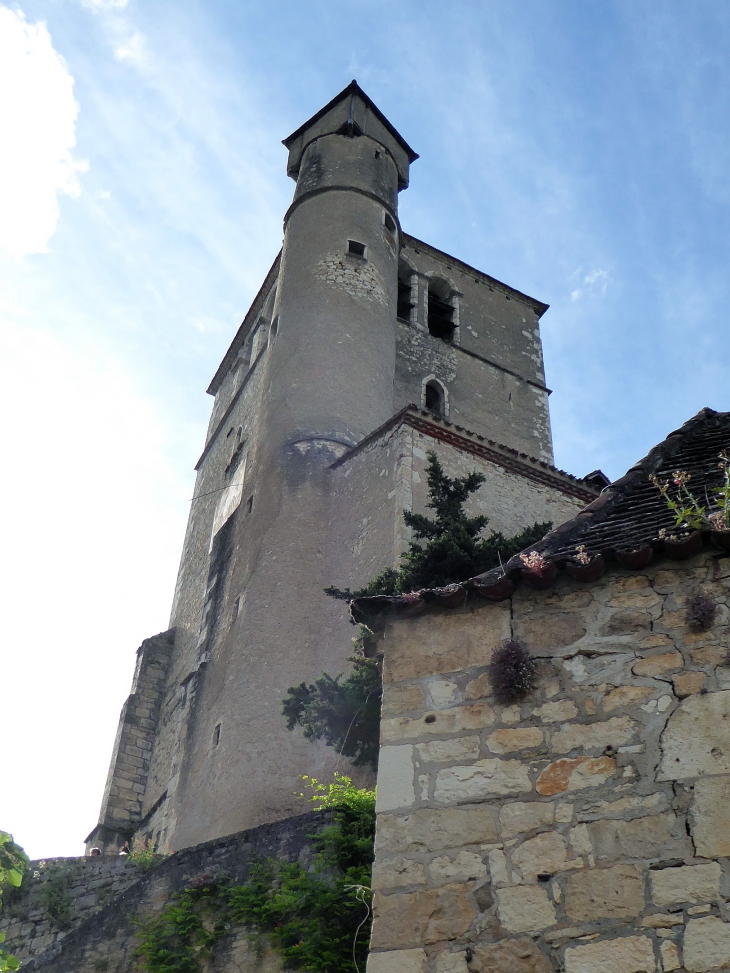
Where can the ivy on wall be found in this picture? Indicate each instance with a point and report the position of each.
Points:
(316, 916)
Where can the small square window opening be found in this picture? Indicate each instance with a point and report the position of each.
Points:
(355, 248)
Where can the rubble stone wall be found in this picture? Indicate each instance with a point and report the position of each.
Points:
(103, 936)
(585, 829)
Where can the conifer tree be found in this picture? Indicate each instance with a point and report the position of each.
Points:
(345, 712)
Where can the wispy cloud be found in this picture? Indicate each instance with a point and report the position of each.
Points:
(596, 282)
(37, 135)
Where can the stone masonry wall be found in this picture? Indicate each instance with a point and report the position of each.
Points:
(104, 939)
(586, 829)
(121, 808)
(83, 886)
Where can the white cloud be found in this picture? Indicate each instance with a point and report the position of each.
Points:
(132, 49)
(105, 4)
(595, 282)
(37, 133)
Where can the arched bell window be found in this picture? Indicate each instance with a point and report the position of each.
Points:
(434, 397)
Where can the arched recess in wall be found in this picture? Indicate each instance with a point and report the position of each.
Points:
(435, 396)
(443, 310)
(407, 291)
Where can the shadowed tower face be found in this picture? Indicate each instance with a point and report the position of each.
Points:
(363, 349)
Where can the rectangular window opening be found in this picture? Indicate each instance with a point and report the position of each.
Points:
(217, 735)
(249, 505)
(355, 248)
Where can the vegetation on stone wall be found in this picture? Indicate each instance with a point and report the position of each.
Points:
(454, 549)
(13, 863)
(512, 672)
(345, 711)
(317, 916)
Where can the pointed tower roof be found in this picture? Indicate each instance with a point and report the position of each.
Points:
(353, 113)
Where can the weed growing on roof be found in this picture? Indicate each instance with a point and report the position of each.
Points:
(687, 511)
(316, 917)
(512, 672)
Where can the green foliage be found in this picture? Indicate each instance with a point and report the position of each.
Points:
(343, 711)
(56, 899)
(317, 917)
(145, 857)
(687, 511)
(13, 863)
(454, 550)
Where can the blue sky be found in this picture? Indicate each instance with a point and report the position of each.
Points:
(575, 149)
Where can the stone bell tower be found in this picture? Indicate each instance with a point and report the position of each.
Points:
(363, 349)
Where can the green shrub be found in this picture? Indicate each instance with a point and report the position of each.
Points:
(316, 917)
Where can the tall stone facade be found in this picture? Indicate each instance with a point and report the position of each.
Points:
(364, 349)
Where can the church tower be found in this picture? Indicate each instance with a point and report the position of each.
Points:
(364, 349)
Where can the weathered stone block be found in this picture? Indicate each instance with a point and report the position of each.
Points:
(510, 956)
(626, 622)
(400, 699)
(451, 962)
(557, 712)
(474, 716)
(625, 696)
(626, 807)
(711, 817)
(572, 775)
(434, 830)
(481, 780)
(706, 945)
(617, 731)
(657, 836)
(465, 866)
(519, 817)
(605, 893)
(442, 692)
(630, 954)
(709, 655)
(420, 918)
(688, 683)
(688, 884)
(397, 961)
(696, 741)
(525, 908)
(456, 750)
(445, 643)
(507, 741)
(658, 665)
(543, 854)
(547, 633)
(613, 669)
(395, 778)
(670, 956)
(479, 688)
(396, 872)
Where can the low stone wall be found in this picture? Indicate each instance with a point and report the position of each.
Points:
(57, 895)
(106, 941)
(586, 829)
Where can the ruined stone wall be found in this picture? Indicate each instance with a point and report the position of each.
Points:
(584, 829)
